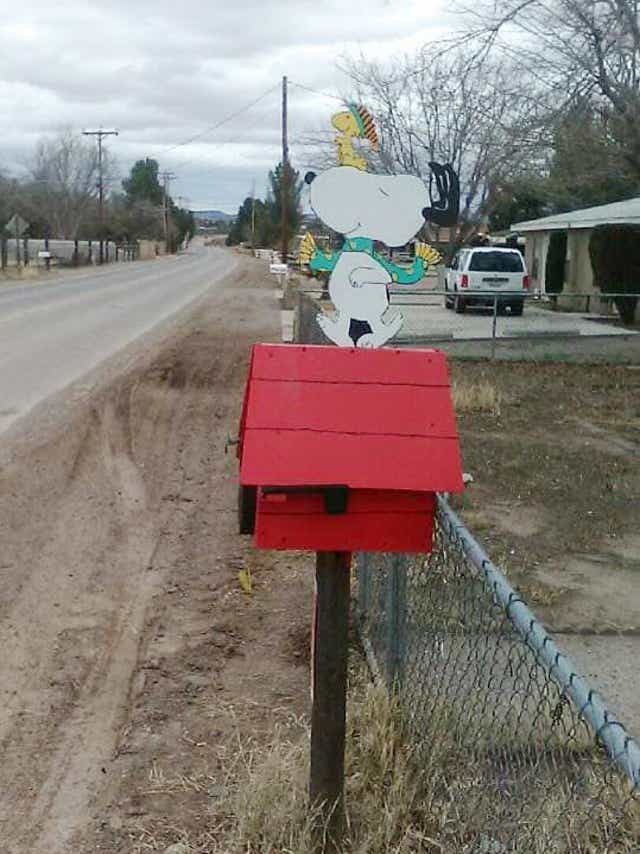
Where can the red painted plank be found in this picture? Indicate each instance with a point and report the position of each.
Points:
(245, 406)
(351, 408)
(361, 501)
(417, 464)
(375, 532)
(348, 364)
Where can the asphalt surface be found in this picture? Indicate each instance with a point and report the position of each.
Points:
(52, 332)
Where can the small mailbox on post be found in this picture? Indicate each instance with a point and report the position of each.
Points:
(343, 450)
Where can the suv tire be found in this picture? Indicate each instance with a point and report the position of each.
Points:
(459, 305)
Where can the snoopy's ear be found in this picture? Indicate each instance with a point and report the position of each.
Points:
(309, 177)
(445, 208)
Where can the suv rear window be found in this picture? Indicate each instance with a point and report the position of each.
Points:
(496, 262)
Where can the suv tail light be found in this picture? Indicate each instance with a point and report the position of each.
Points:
(464, 281)
(525, 283)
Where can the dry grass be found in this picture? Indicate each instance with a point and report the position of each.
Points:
(267, 810)
(18, 274)
(479, 396)
(437, 797)
(542, 594)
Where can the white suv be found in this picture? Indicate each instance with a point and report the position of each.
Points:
(490, 270)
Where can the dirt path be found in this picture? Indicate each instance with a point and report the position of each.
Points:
(121, 622)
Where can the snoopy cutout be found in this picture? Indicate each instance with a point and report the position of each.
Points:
(366, 208)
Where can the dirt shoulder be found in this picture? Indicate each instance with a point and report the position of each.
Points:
(136, 672)
(131, 657)
(555, 501)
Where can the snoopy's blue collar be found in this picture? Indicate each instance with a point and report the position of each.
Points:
(358, 244)
(401, 275)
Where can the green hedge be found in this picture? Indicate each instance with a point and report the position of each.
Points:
(554, 268)
(615, 260)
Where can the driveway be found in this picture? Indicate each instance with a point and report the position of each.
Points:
(425, 317)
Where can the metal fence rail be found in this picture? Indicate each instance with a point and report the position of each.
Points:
(547, 334)
(521, 750)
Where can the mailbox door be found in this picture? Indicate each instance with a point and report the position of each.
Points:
(375, 520)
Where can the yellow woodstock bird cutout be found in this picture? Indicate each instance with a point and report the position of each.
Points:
(354, 123)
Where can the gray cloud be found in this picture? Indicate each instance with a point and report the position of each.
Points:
(162, 74)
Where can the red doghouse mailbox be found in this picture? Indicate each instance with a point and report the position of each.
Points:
(344, 449)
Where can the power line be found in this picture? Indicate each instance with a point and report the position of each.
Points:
(317, 91)
(233, 141)
(244, 109)
(207, 170)
(224, 121)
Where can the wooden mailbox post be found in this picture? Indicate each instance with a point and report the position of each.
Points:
(343, 450)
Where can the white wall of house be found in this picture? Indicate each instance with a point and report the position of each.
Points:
(578, 273)
(536, 248)
(579, 276)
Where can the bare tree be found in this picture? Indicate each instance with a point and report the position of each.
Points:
(63, 183)
(577, 50)
(8, 193)
(439, 105)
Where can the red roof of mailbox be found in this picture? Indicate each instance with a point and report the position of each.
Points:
(367, 419)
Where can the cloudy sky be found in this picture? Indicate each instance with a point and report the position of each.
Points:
(163, 72)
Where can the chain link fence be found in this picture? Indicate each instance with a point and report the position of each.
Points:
(522, 752)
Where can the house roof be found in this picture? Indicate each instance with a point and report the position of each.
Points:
(367, 419)
(627, 212)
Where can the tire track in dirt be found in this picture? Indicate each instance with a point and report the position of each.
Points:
(92, 694)
(86, 740)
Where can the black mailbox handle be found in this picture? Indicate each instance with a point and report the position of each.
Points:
(336, 497)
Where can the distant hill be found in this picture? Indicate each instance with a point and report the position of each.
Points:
(212, 216)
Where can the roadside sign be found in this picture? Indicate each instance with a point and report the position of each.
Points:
(16, 225)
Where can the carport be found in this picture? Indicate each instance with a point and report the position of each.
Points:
(578, 275)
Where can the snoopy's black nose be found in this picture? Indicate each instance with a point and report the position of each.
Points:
(308, 178)
(426, 212)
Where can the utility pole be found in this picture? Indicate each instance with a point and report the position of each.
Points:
(167, 177)
(99, 134)
(284, 189)
(253, 215)
(183, 203)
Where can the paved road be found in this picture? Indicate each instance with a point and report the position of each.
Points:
(51, 333)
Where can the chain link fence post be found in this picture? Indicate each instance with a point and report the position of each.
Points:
(396, 620)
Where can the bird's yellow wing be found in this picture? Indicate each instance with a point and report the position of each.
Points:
(428, 253)
(307, 249)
